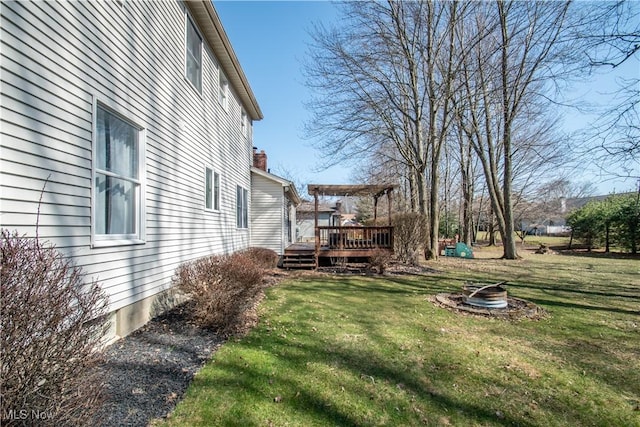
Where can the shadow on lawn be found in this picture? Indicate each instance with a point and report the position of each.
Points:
(323, 405)
(630, 293)
(562, 250)
(390, 284)
(566, 345)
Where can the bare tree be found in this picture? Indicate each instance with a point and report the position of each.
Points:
(610, 33)
(369, 94)
(391, 81)
(463, 153)
(506, 78)
(530, 34)
(385, 80)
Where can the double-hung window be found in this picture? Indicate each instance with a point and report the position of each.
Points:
(117, 185)
(194, 56)
(242, 207)
(211, 189)
(244, 124)
(223, 95)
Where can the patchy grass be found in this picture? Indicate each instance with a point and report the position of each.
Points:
(361, 351)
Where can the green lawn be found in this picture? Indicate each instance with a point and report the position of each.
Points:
(361, 351)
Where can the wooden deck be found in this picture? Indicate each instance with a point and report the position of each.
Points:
(338, 242)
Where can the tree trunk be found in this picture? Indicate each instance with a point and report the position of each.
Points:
(508, 237)
(466, 229)
(431, 252)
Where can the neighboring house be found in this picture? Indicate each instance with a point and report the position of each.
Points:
(128, 127)
(554, 218)
(273, 207)
(327, 216)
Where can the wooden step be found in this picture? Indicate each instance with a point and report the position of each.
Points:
(299, 261)
(298, 265)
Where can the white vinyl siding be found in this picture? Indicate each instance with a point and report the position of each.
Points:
(266, 214)
(273, 214)
(57, 58)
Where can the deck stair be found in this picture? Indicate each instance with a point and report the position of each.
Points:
(299, 260)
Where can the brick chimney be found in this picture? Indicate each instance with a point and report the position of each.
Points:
(259, 159)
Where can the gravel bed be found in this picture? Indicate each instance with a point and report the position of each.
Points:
(148, 372)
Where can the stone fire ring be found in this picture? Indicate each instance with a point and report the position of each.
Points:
(516, 308)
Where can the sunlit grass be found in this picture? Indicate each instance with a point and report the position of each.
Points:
(360, 351)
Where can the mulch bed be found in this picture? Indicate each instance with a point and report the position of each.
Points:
(364, 269)
(147, 372)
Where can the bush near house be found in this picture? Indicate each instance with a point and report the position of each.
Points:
(51, 326)
(265, 258)
(224, 289)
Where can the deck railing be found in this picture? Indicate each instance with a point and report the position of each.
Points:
(345, 238)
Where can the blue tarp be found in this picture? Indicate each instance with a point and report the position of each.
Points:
(460, 250)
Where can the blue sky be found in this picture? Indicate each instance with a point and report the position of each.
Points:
(271, 39)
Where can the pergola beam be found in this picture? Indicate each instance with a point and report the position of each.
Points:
(358, 190)
(361, 190)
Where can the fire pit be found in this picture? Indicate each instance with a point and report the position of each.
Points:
(488, 300)
(487, 296)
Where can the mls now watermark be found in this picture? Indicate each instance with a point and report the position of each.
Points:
(26, 414)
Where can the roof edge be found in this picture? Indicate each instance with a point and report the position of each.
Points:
(290, 188)
(207, 17)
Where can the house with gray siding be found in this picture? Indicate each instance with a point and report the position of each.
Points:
(128, 127)
(305, 219)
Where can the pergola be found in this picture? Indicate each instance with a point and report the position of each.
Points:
(352, 241)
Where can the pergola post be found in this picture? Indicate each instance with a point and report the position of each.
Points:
(375, 210)
(317, 231)
(389, 199)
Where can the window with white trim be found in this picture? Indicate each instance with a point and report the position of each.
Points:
(193, 56)
(211, 189)
(242, 207)
(244, 123)
(223, 96)
(118, 167)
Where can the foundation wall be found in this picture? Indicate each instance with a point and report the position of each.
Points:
(133, 316)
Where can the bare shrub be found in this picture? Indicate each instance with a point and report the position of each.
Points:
(410, 233)
(224, 288)
(51, 327)
(380, 259)
(265, 258)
